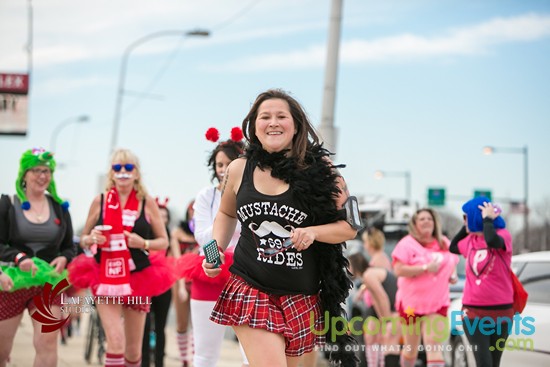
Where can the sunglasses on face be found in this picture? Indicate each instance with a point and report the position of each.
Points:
(129, 167)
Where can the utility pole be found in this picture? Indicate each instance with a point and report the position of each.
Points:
(29, 38)
(329, 133)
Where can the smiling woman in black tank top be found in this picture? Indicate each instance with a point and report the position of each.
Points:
(288, 263)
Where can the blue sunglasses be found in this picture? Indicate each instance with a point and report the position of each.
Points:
(129, 167)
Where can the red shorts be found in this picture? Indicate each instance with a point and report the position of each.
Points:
(14, 303)
(412, 319)
(291, 315)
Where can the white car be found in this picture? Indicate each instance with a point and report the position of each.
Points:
(533, 270)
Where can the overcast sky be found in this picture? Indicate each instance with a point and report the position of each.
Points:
(422, 86)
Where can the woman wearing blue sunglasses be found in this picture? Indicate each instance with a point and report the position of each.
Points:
(124, 223)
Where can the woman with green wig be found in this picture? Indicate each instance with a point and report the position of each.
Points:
(36, 244)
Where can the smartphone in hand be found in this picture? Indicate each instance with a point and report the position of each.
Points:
(212, 253)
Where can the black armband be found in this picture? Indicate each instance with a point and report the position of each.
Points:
(352, 213)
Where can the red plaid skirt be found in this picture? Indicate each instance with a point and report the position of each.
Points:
(293, 316)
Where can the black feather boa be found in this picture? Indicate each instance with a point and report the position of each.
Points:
(314, 187)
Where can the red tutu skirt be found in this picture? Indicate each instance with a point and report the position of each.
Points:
(148, 282)
(189, 266)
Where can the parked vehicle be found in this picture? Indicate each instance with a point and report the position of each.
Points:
(525, 349)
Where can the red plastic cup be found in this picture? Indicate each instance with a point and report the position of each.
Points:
(105, 230)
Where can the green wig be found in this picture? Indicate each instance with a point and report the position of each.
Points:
(30, 159)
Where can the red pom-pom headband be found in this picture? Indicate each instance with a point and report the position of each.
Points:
(236, 134)
(163, 203)
(213, 135)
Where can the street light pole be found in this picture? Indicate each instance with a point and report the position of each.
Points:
(329, 133)
(29, 46)
(63, 124)
(523, 150)
(525, 196)
(124, 64)
(407, 174)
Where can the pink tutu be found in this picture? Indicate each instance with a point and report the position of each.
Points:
(189, 266)
(151, 281)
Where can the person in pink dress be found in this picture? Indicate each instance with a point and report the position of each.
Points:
(425, 267)
(488, 295)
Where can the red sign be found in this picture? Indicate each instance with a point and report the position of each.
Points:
(14, 83)
(13, 103)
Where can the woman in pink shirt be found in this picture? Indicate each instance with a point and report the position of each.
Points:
(425, 267)
(488, 293)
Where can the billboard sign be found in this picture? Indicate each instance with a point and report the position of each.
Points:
(14, 89)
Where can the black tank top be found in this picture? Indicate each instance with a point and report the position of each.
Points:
(141, 227)
(266, 221)
(390, 287)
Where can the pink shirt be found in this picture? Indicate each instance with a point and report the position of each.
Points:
(428, 292)
(487, 271)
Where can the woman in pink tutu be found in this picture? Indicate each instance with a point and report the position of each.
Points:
(123, 225)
